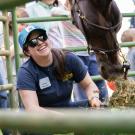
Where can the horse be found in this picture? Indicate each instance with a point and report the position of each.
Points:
(99, 21)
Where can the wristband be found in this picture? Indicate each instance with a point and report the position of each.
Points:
(95, 95)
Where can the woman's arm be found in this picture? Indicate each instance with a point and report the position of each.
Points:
(31, 104)
(91, 90)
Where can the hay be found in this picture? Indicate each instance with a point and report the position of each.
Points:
(124, 95)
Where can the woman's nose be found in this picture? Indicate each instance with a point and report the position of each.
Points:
(39, 42)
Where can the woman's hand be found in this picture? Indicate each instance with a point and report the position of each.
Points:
(91, 90)
(95, 102)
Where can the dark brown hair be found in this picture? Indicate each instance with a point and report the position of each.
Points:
(59, 63)
(25, 50)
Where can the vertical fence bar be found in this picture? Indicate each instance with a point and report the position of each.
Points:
(15, 33)
(12, 97)
(16, 46)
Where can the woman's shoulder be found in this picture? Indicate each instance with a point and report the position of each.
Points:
(28, 65)
(71, 57)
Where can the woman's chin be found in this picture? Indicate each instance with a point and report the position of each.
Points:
(44, 52)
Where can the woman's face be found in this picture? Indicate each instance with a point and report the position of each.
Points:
(49, 2)
(38, 45)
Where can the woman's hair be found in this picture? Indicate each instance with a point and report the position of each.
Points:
(25, 50)
(59, 63)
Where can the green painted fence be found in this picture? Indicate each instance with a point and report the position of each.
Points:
(81, 121)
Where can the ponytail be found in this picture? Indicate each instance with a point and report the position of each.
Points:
(59, 63)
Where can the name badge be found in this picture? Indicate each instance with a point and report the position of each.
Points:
(44, 83)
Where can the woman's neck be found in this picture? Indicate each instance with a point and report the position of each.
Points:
(44, 61)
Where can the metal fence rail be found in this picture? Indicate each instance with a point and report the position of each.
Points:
(58, 18)
(82, 121)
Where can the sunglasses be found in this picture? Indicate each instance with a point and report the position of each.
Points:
(34, 42)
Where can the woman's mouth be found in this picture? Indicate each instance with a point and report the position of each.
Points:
(43, 48)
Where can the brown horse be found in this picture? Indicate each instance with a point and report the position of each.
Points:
(100, 20)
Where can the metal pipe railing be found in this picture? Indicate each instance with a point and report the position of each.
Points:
(3, 18)
(98, 77)
(83, 48)
(95, 78)
(5, 53)
(128, 14)
(81, 120)
(7, 47)
(6, 87)
(76, 49)
(42, 19)
(12, 97)
(56, 18)
(127, 44)
(15, 39)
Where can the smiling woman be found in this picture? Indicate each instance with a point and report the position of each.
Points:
(46, 78)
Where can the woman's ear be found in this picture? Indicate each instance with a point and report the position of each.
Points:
(26, 52)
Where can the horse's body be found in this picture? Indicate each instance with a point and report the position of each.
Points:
(100, 20)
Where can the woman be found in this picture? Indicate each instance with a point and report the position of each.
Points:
(46, 78)
(65, 34)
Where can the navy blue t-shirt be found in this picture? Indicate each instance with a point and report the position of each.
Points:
(51, 92)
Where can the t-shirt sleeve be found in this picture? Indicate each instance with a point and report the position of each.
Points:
(25, 80)
(77, 67)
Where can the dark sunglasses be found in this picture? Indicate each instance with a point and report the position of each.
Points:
(34, 42)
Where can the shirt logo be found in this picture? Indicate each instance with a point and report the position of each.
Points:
(67, 76)
(44, 83)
